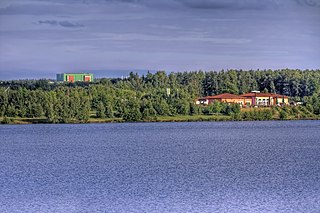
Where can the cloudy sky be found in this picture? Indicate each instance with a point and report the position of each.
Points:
(39, 38)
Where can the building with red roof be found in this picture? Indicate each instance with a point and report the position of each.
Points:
(226, 98)
(254, 98)
(266, 99)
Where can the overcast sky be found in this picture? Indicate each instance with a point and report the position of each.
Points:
(39, 38)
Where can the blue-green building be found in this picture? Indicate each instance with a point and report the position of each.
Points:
(73, 77)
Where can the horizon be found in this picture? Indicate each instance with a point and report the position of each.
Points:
(40, 38)
(99, 74)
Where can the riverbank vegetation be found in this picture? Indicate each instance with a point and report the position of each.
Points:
(158, 97)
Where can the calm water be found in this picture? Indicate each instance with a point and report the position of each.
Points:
(161, 167)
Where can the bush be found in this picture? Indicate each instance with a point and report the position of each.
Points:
(7, 120)
(258, 115)
(283, 115)
(132, 115)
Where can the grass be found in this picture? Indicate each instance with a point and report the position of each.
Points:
(298, 115)
(93, 119)
(105, 120)
(190, 118)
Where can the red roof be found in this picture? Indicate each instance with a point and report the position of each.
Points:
(253, 94)
(247, 95)
(280, 96)
(224, 96)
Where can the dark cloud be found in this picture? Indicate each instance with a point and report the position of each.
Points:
(33, 9)
(309, 3)
(54, 7)
(61, 23)
(217, 4)
(91, 1)
(70, 24)
(230, 4)
(50, 22)
(198, 4)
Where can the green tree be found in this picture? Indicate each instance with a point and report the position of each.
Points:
(100, 113)
(84, 111)
(109, 110)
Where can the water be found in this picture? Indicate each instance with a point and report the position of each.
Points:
(161, 167)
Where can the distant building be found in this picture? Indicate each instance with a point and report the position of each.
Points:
(266, 99)
(73, 77)
(254, 98)
(225, 97)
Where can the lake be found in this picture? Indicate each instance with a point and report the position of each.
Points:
(270, 166)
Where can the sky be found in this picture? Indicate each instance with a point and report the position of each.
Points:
(110, 38)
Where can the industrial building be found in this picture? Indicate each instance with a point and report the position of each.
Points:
(73, 77)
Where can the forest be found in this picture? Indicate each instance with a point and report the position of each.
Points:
(159, 95)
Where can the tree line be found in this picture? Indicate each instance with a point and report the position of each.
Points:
(160, 94)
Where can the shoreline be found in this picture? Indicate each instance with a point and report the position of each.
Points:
(163, 119)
